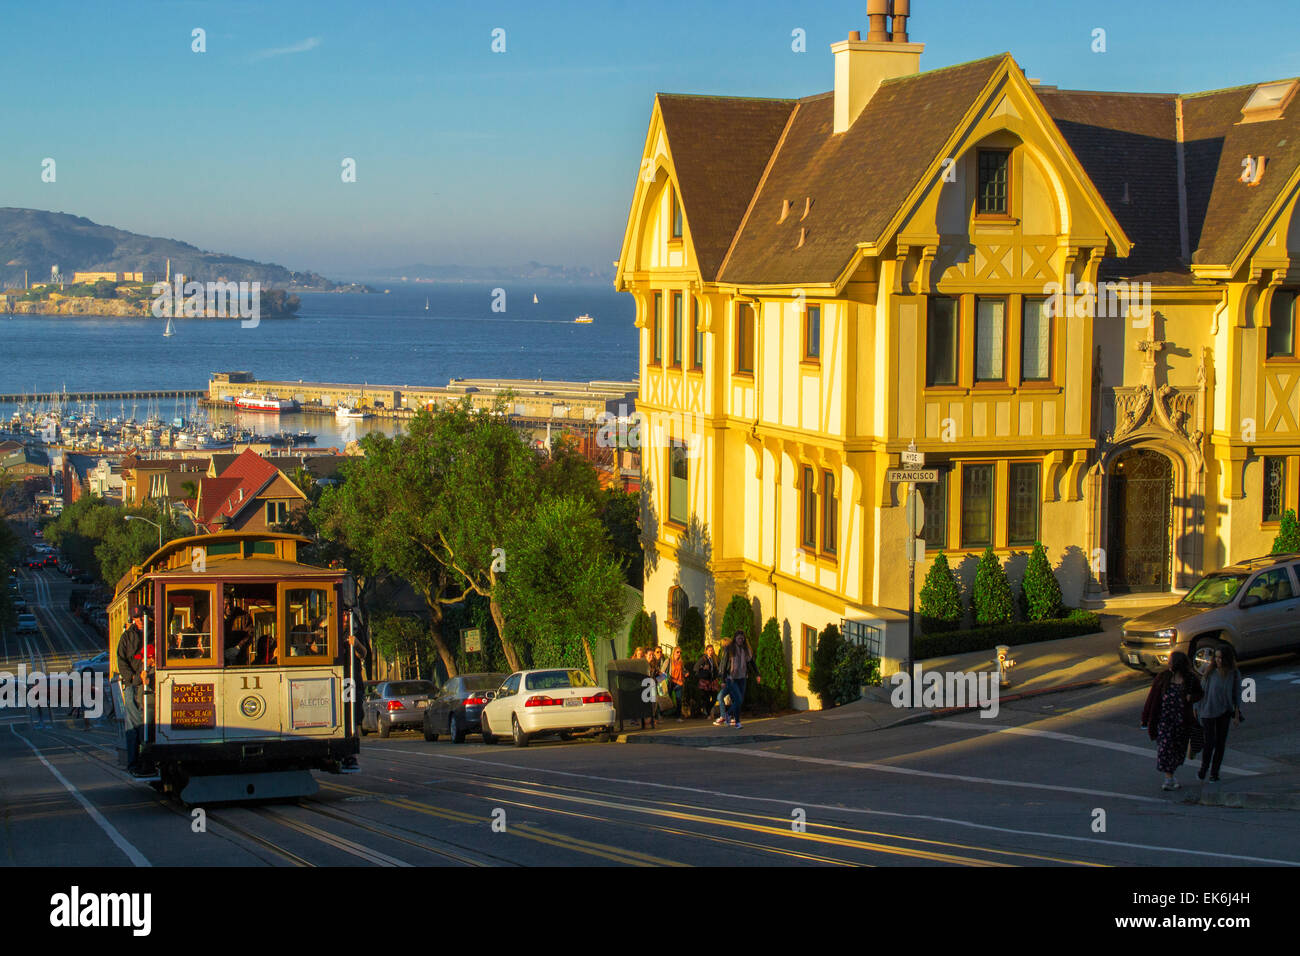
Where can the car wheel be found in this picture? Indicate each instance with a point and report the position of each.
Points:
(610, 735)
(565, 735)
(488, 736)
(1202, 650)
(385, 727)
(521, 738)
(454, 732)
(428, 734)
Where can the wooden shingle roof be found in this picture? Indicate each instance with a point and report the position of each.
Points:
(856, 180)
(720, 146)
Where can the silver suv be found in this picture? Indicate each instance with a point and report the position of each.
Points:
(1253, 605)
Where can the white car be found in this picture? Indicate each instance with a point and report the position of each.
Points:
(95, 665)
(548, 701)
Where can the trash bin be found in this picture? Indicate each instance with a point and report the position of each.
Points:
(626, 680)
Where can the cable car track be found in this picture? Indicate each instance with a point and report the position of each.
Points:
(107, 758)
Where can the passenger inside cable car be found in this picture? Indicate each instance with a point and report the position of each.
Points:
(189, 628)
(306, 616)
(250, 620)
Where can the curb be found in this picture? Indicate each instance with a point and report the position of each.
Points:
(711, 741)
(1244, 800)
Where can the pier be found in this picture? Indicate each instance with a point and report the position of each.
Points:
(529, 399)
(101, 396)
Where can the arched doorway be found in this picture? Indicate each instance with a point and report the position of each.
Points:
(1140, 507)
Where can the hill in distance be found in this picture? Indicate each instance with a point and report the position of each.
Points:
(35, 240)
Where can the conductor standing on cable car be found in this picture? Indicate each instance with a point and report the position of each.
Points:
(131, 666)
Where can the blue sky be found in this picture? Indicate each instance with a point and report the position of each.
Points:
(469, 156)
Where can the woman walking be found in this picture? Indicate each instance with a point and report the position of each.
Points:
(1168, 716)
(737, 667)
(720, 698)
(1221, 703)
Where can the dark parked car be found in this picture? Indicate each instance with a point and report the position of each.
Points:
(36, 563)
(459, 705)
(396, 704)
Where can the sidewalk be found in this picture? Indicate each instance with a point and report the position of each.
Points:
(1043, 668)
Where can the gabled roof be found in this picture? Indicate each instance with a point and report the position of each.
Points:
(1219, 143)
(214, 493)
(857, 179)
(1127, 144)
(720, 146)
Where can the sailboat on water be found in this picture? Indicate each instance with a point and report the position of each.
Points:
(426, 303)
(169, 331)
(534, 298)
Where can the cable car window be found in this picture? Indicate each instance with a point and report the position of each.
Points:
(307, 622)
(188, 623)
(249, 625)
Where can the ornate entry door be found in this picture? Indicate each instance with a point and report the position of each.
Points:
(1140, 512)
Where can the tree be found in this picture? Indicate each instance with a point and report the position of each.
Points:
(563, 586)
(992, 598)
(821, 674)
(641, 633)
(375, 519)
(620, 512)
(401, 640)
(941, 607)
(739, 615)
(1040, 592)
(1288, 534)
(94, 534)
(774, 691)
(690, 636)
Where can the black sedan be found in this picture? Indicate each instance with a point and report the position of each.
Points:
(458, 707)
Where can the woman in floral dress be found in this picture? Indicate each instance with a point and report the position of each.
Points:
(1168, 716)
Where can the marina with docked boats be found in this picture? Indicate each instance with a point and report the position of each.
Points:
(239, 410)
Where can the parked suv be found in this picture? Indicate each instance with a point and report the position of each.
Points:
(1253, 605)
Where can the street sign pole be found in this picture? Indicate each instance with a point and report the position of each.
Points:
(911, 586)
(911, 474)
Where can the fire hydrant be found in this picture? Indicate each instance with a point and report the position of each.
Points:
(1004, 665)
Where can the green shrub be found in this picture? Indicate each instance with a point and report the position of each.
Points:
(1288, 534)
(992, 599)
(690, 636)
(739, 614)
(641, 633)
(774, 692)
(1075, 623)
(941, 607)
(821, 674)
(853, 667)
(1040, 592)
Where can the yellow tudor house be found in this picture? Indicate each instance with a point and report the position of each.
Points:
(1080, 307)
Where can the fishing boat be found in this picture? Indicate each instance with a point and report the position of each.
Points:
(351, 412)
(584, 320)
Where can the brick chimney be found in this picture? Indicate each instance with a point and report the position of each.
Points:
(862, 65)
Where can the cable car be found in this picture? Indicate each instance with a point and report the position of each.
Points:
(251, 686)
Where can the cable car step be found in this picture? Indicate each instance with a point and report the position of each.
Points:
(221, 788)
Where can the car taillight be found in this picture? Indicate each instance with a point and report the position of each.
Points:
(475, 701)
(601, 698)
(395, 705)
(541, 700)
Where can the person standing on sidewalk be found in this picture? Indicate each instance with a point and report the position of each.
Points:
(677, 679)
(706, 672)
(1221, 703)
(1168, 717)
(737, 665)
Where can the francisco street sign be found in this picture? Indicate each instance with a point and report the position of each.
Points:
(912, 474)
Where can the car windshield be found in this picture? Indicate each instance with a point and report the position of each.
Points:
(410, 688)
(1215, 590)
(554, 680)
